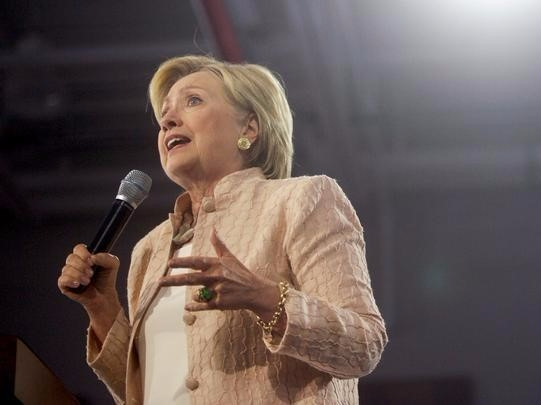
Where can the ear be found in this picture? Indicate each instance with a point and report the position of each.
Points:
(251, 130)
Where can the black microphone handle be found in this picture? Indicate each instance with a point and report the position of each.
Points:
(109, 231)
(111, 227)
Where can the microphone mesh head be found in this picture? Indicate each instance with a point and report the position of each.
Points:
(134, 188)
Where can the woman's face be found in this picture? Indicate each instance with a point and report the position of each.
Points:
(199, 130)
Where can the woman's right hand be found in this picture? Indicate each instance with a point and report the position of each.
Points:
(96, 272)
(100, 298)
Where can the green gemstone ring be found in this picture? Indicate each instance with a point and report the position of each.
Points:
(205, 294)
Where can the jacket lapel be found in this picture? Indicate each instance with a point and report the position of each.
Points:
(157, 267)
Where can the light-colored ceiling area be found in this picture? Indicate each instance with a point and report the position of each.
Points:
(417, 94)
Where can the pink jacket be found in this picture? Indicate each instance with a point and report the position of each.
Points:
(303, 230)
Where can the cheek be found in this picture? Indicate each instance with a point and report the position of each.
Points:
(159, 141)
(161, 147)
(225, 130)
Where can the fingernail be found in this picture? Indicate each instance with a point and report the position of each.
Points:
(90, 272)
(75, 284)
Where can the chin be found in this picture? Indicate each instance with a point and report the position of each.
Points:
(177, 173)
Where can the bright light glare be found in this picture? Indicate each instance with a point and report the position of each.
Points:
(494, 8)
(492, 17)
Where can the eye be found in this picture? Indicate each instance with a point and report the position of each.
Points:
(193, 101)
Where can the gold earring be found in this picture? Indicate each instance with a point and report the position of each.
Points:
(244, 143)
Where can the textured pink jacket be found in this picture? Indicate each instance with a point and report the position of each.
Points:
(303, 230)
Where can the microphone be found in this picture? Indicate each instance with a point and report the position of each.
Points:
(134, 188)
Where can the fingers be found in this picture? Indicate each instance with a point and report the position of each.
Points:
(72, 280)
(73, 277)
(78, 263)
(221, 273)
(77, 270)
(194, 262)
(81, 251)
(201, 306)
(188, 279)
(79, 267)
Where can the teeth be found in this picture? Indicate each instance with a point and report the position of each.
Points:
(174, 141)
(171, 142)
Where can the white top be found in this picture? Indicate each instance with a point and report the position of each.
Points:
(162, 345)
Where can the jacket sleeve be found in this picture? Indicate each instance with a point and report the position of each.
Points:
(333, 322)
(110, 361)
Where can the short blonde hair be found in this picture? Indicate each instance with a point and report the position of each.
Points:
(250, 88)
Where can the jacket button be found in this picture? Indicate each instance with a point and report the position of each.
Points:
(188, 318)
(208, 205)
(192, 383)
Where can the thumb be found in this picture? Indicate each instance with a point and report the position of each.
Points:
(219, 246)
(106, 261)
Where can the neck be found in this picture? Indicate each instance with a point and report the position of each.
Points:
(197, 193)
(199, 188)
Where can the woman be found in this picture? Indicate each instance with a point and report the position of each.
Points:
(278, 304)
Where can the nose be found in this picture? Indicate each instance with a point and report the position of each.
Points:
(170, 120)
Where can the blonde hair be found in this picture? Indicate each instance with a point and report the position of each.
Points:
(250, 88)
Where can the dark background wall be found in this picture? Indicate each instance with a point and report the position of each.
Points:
(427, 113)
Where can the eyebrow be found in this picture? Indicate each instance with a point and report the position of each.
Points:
(181, 90)
(190, 87)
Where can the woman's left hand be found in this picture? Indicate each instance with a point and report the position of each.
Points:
(232, 284)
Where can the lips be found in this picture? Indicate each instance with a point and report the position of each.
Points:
(174, 141)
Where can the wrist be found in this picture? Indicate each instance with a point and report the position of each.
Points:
(266, 300)
(102, 308)
(277, 315)
(102, 318)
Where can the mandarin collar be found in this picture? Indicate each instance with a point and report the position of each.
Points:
(223, 187)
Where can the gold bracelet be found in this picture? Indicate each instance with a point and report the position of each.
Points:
(269, 326)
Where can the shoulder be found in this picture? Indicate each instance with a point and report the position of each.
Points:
(303, 189)
(296, 199)
(320, 199)
(299, 184)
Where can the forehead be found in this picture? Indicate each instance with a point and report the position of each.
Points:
(202, 80)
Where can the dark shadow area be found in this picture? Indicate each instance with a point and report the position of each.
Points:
(430, 391)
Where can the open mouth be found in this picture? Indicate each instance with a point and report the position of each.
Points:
(176, 141)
